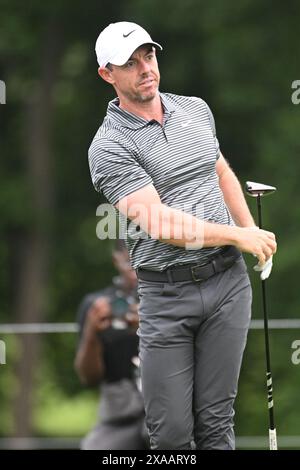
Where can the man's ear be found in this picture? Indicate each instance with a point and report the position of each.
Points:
(105, 73)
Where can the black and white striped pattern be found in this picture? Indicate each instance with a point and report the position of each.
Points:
(178, 158)
(270, 390)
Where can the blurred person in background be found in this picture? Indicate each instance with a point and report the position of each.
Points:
(107, 355)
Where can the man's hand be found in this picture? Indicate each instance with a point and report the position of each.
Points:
(265, 269)
(132, 316)
(99, 315)
(259, 242)
(89, 362)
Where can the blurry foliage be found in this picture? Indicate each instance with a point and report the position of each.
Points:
(251, 404)
(239, 57)
(58, 410)
(8, 383)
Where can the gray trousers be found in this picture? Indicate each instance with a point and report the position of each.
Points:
(192, 338)
(105, 436)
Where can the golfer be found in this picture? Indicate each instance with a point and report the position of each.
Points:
(156, 158)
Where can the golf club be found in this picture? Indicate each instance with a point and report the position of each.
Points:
(259, 190)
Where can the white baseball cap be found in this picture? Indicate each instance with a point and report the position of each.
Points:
(117, 42)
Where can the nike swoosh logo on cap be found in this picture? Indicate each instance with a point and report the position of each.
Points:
(126, 35)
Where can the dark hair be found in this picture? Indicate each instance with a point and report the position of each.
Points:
(109, 66)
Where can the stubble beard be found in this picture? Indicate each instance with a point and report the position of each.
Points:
(141, 97)
(145, 97)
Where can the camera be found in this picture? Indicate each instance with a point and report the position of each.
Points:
(120, 304)
(120, 307)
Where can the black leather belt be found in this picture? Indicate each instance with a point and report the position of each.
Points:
(193, 272)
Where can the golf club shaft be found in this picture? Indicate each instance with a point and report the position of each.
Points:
(272, 430)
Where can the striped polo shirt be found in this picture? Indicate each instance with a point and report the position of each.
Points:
(177, 157)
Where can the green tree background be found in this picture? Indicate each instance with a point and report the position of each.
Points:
(242, 59)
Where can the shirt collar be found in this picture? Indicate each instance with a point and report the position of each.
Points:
(132, 121)
(168, 106)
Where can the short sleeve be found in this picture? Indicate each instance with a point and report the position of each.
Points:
(213, 127)
(115, 171)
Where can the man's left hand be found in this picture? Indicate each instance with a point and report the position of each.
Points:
(264, 269)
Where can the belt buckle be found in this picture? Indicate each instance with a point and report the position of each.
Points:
(194, 276)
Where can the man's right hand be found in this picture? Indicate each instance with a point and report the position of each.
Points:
(132, 316)
(260, 243)
(99, 315)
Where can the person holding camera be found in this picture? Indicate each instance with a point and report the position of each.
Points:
(107, 355)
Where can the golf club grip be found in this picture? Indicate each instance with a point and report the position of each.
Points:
(273, 439)
(270, 399)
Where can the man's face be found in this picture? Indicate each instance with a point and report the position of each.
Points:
(138, 79)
